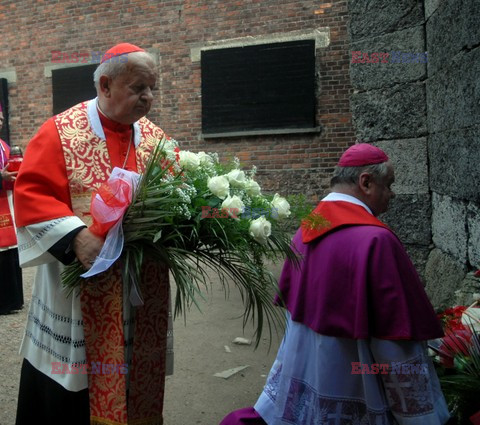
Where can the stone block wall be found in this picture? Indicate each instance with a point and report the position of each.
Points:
(426, 117)
(389, 109)
(453, 111)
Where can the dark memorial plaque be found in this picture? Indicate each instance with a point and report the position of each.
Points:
(259, 87)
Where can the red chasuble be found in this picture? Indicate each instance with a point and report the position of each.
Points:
(74, 163)
(7, 229)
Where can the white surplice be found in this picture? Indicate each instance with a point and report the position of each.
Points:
(54, 329)
(311, 382)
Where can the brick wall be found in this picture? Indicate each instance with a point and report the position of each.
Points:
(286, 163)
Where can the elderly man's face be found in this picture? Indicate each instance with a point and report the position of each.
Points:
(381, 192)
(128, 97)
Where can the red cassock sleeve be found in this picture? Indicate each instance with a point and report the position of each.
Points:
(41, 188)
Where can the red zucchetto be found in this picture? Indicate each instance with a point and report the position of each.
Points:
(362, 154)
(119, 50)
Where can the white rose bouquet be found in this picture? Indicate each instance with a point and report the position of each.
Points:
(199, 216)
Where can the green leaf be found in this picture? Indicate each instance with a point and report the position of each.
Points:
(157, 236)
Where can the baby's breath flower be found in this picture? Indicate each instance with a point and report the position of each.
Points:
(214, 156)
(183, 196)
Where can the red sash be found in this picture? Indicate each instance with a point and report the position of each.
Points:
(330, 215)
(8, 236)
(88, 166)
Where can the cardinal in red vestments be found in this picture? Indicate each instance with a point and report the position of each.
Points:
(90, 358)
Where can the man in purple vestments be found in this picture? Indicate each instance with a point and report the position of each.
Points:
(358, 317)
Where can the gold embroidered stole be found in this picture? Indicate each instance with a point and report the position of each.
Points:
(102, 297)
(86, 155)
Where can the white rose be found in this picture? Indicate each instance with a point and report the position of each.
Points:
(260, 229)
(236, 178)
(280, 207)
(233, 205)
(219, 186)
(204, 158)
(252, 188)
(189, 160)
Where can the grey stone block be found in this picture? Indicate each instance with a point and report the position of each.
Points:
(409, 158)
(409, 217)
(431, 7)
(468, 286)
(454, 163)
(397, 112)
(374, 17)
(454, 94)
(443, 275)
(419, 256)
(366, 76)
(449, 231)
(473, 220)
(452, 28)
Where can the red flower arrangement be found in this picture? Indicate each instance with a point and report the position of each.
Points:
(452, 317)
(458, 360)
(457, 337)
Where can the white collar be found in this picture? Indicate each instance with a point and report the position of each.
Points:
(335, 196)
(96, 124)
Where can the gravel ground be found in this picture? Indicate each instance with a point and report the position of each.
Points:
(193, 395)
(11, 332)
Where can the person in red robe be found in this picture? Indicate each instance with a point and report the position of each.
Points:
(11, 287)
(358, 318)
(92, 357)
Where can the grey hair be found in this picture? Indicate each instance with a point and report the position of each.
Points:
(110, 69)
(113, 67)
(350, 175)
